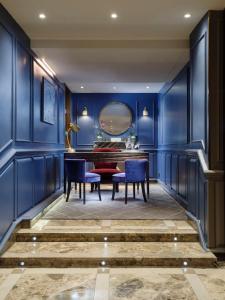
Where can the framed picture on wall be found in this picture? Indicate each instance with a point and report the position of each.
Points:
(48, 102)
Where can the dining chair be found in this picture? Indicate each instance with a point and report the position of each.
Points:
(76, 172)
(105, 169)
(135, 172)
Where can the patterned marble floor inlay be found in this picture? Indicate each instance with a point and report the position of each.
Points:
(159, 206)
(113, 284)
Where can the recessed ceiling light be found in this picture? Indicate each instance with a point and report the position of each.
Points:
(187, 16)
(42, 16)
(147, 87)
(114, 87)
(114, 16)
(82, 87)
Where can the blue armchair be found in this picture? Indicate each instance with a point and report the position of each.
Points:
(75, 172)
(135, 172)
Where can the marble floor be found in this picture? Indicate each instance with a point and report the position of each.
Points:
(159, 206)
(112, 284)
(114, 230)
(93, 254)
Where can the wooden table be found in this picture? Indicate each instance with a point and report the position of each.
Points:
(109, 157)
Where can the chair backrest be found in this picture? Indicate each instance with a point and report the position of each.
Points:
(135, 170)
(75, 169)
(105, 165)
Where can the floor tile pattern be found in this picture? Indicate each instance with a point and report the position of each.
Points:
(159, 206)
(113, 284)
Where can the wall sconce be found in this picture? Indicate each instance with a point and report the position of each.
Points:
(145, 112)
(85, 112)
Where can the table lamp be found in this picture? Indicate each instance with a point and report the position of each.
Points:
(74, 128)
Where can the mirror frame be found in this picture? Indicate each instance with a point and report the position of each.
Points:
(115, 102)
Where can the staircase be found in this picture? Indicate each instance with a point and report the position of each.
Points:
(116, 243)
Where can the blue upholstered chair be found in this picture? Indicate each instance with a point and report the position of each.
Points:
(76, 172)
(135, 172)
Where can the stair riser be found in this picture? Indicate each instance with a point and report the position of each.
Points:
(43, 262)
(68, 237)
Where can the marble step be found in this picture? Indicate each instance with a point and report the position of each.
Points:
(111, 231)
(115, 254)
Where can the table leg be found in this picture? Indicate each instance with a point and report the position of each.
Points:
(65, 180)
(147, 180)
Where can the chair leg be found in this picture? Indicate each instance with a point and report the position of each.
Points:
(126, 186)
(143, 191)
(99, 192)
(138, 185)
(96, 186)
(68, 191)
(84, 193)
(113, 191)
(134, 190)
(79, 190)
(92, 187)
(75, 186)
(117, 187)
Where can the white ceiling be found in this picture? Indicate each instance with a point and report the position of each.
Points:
(146, 45)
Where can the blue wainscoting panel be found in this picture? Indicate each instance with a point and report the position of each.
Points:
(168, 169)
(174, 172)
(61, 170)
(182, 179)
(50, 174)
(23, 94)
(202, 203)
(39, 179)
(7, 198)
(57, 171)
(198, 91)
(6, 88)
(193, 186)
(24, 174)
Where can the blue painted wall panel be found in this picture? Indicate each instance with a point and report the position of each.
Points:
(20, 104)
(39, 179)
(7, 204)
(182, 179)
(6, 87)
(145, 127)
(193, 186)
(198, 91)
(173, 112)
(168, 169)
(23, 94)
(174, 172)
(43, 132)
(61, 123)
(25, 179)
(50, 174)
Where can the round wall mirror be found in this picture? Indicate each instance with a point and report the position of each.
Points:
(115, 118)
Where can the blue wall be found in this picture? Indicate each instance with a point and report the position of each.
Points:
(31, 152)
(183, 126)
(145, 127)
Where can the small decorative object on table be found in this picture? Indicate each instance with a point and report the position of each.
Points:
(75, 128)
